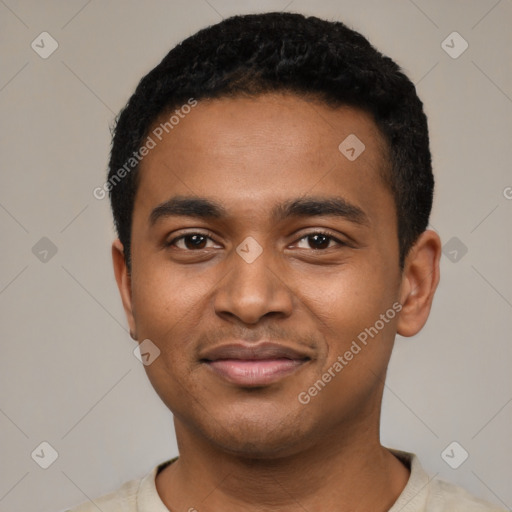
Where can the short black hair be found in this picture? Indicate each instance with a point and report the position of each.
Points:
(255, 54)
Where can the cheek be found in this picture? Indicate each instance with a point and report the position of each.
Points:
(350, 295)
(166, 300)
(347, 310)
(167, 307)
(348, 306)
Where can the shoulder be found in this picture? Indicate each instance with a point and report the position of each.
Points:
(431, 494)
(121, 500)
(445, 496)
(136, 494)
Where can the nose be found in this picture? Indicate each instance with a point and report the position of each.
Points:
(253, 289)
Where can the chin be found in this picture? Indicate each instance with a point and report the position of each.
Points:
(259, 439)
(264, 449)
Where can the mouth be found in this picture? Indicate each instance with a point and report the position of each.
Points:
(256, 365)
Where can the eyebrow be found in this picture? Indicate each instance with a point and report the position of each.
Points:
(203, 208)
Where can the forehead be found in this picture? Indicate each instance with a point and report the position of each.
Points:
(249, 152)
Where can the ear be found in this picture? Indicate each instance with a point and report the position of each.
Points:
(124, 284)
(420, 278)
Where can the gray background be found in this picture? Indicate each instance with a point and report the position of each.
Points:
(67, 372)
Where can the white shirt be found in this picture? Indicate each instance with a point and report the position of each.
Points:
(421, 494)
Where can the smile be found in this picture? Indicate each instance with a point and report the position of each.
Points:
(254, 365)
(254, 372)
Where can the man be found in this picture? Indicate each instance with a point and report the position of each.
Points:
(271, 186)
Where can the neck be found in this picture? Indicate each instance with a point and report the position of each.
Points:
(338, 473)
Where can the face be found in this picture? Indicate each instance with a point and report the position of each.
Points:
(261, 256)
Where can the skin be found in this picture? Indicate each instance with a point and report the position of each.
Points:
(260, 448)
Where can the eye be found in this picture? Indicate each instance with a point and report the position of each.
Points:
(319, 240)
(190, 241)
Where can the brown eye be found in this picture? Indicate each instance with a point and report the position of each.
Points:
(190, 242)
(319, 241)
(194, 241)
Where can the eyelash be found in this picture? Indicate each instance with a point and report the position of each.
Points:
(325, 233)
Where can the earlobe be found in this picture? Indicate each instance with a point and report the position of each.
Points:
(124, 284)
(420, 278)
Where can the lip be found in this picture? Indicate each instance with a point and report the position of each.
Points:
(254, 365)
